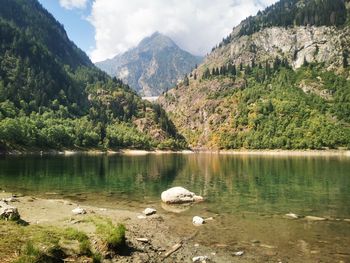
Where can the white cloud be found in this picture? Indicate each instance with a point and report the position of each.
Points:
(71, 4)
(195, 25)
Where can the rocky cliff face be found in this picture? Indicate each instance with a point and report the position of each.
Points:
(266, 103)
(154, 66)
(297, 44)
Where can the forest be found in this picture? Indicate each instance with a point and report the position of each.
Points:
(53, 97)
(273, 110)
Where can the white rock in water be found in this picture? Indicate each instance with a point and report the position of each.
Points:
(79, 211)
(149, 211)
(239, 253)
(178, 195)
(315, 218)
(197, 220)
(199, 258)
(292, 216)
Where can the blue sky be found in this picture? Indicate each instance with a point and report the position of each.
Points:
(105, 28)
(79, 30)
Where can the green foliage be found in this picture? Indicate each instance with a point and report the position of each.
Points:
(274, 112)
(81, 237)
(113, 236)
(123, 135)
(52, 96)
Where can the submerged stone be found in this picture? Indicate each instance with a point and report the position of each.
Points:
(315, 218)
(292, 216)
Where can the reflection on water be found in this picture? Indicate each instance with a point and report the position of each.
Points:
(247, 195)
(230, 183)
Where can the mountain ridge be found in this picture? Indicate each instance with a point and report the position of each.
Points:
(271, 86)
(53, 97)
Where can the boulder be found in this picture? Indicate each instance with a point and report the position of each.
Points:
(8, 212)
(178, 195)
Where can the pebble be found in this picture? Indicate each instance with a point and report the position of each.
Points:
(143, 240)
(199, 259)
(292, 216)
(141, 217)
(315, 218)
(238, 253)
(149, 211)
(197, 220)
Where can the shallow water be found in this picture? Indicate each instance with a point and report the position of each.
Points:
(247, 195)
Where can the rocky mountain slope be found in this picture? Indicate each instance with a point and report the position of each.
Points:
(53, 97)
(152, 67)
(279, 80)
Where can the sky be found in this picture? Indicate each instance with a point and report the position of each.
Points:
(105, 28)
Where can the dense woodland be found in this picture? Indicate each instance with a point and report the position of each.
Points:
(273, 111)
(53, 97)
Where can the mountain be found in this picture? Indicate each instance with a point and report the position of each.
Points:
(281, 79)
(152, 67)
(52, 96)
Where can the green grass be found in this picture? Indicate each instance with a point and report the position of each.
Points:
(113, 236)
(26, 244)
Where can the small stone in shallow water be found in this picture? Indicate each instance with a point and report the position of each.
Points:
(199, 259)
(197, 220)
(292, 216)
(149, 211)
(79, 211)
(315, 218)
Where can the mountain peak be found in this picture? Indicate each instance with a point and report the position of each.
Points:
(158, 40)
(153, 66)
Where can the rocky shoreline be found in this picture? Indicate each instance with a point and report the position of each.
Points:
(148, 236)
(132, 152)
(151, 235)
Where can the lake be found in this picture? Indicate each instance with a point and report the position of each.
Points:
(247, 195)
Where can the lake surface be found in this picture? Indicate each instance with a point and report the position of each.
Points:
(247, 195)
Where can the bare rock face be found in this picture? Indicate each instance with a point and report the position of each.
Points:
(152, 67)
(298, 44)
(8, 212)
(178, 195)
